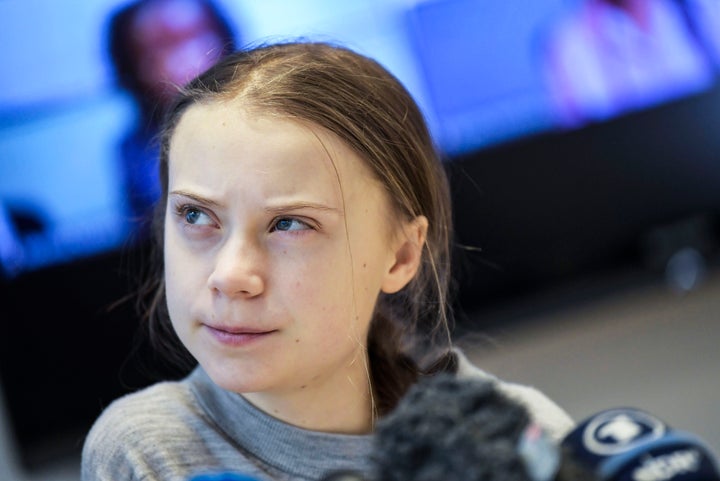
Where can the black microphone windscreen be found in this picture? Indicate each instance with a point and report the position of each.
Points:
(453, 429)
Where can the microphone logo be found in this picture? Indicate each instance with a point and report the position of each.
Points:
(668, 466)
(620, 430)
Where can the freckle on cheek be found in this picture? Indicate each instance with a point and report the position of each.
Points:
(297, 340)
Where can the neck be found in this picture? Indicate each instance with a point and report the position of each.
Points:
(342, 405)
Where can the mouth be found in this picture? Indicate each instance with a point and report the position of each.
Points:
(236, 336)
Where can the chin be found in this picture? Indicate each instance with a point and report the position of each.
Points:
(238, 379)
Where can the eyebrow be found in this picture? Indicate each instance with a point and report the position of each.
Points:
(280, 208)
(197, 198)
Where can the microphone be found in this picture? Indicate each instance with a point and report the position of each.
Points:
(449, 429)
(629, 444)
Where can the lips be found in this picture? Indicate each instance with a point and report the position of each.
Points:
(237, 336)
(238, 330)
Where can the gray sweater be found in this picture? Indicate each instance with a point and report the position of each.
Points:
(172, 431)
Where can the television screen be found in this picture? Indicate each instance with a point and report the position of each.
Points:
(483, 72)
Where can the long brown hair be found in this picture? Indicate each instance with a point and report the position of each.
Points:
(368, 108)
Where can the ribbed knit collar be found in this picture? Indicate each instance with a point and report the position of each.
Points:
(296, 451)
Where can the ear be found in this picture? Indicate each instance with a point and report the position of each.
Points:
(408, 249)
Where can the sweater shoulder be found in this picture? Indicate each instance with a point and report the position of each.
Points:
(146, 410)
(126, 437)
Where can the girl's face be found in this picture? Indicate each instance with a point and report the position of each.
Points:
(274, 253)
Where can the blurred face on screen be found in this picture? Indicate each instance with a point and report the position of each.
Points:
(174, 41)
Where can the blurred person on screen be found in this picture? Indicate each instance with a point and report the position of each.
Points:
(608, 57)
(155, 47)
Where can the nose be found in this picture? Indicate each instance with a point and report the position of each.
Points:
(238, 271)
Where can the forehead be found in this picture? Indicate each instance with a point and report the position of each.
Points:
(231, 139)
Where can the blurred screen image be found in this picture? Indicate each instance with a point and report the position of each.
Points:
(77, 140)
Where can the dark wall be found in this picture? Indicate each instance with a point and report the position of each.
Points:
(555, 206)
(65, 350)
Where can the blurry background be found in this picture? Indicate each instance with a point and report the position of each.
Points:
(581, 140)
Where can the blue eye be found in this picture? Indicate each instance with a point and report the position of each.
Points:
(191, 216)
(289, 224)
(194, 216)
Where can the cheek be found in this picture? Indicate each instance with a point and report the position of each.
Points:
(182, 276)
(171, 259)
(174, 291)
(319, 289)
(371, 265)
(340, 297)
(320, 285)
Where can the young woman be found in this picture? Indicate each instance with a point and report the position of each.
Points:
(305, 225)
